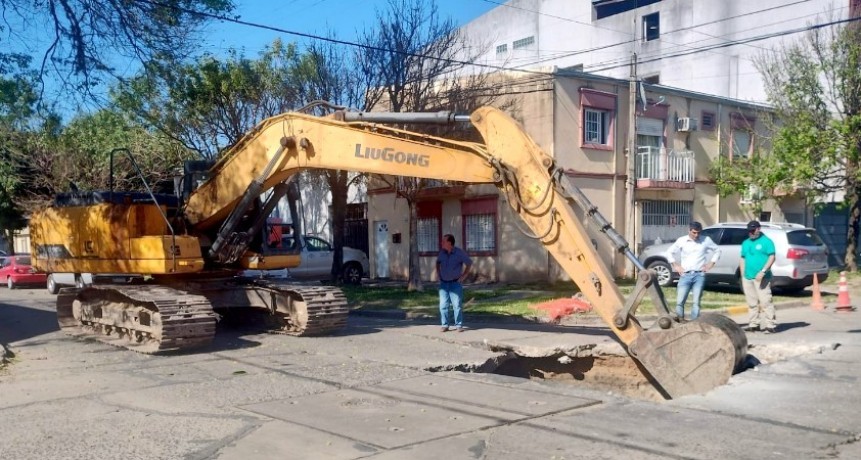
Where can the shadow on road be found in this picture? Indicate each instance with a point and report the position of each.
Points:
(787, 326)
(20, 322)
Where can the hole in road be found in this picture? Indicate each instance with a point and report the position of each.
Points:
(615, 374)
(619, 374)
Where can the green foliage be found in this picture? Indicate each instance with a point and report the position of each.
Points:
(210, 104)
(86, 145)
(815, 87)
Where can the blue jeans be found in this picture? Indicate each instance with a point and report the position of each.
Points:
(689, 280)
(450, 292)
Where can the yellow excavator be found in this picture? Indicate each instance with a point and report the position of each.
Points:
(191, 244)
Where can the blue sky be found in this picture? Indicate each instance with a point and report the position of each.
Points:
(315, 17)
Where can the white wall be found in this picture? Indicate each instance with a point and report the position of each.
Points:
(563, 29)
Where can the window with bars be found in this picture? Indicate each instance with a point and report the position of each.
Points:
(428, 227)
(596, 127)
(427, 232)
(480, 233)
(597, 119)
(479, 226)
(501, 49)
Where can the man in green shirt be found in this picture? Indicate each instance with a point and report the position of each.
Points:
(757, 257)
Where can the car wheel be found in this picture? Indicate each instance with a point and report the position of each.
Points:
(352, 273)
(10, 283)
(52, 285)
(664, 272)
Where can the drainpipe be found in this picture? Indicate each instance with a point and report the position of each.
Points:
(720, 149)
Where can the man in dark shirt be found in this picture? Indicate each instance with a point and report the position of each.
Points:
(452, 266)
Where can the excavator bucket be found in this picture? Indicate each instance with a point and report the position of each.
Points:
(692, 357)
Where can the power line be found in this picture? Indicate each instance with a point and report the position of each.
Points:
(623, 61)
(741, 41)
(329, 39)
(635, 39)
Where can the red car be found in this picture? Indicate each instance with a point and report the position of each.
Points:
(16, 270)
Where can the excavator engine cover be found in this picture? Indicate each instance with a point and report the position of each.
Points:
(692, 357)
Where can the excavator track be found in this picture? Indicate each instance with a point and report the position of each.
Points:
(146, 319)
(305, 310)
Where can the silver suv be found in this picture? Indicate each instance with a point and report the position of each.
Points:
(799, 251)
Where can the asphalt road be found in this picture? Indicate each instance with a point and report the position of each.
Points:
(401, 389)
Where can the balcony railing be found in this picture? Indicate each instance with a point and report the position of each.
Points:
(661, 168)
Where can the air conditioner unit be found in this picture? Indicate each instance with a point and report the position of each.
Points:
(686, 124)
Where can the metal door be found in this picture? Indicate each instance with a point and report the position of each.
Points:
(381, 248)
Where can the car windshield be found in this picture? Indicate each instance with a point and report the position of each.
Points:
(804, 238)
(22, 260)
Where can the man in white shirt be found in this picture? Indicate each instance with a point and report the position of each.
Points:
(691, 257)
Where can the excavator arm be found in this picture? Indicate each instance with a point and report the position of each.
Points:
(681, 357)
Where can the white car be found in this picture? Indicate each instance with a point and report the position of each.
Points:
(316, 264)
(800, 253)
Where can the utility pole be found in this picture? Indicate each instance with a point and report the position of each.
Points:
(631, 182)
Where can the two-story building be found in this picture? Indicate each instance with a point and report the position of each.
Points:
(583, 122)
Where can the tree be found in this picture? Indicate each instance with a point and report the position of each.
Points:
(815, 88)
(20, 126)
(416, 61)
(85, 39)
(210, 104)
(325, 73)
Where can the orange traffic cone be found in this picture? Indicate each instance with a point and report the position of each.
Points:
(843, 302)
(816, 302)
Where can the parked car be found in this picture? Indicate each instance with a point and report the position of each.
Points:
(15, 270)
(799, 254)
(55, 281)
(316, 264)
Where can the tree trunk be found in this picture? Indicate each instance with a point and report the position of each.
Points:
(415, 276)
(852, 199)
(338, 186)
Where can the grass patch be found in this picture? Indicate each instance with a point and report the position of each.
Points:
(515, 300)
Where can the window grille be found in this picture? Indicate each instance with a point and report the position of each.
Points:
(428, 234)
(595, 128)
(480, 232)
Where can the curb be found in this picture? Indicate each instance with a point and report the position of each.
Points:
(744, 309)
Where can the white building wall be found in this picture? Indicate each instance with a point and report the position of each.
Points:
(567, 36)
